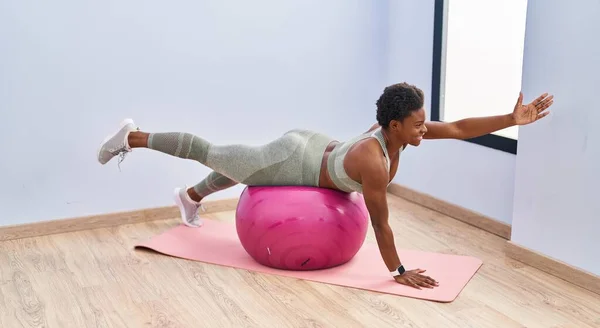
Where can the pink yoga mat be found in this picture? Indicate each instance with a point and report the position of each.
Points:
(217, 243)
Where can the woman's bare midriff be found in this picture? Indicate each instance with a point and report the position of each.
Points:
(324, 179)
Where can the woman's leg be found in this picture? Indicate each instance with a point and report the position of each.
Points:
(212, 183)
(252, 165)
(279, 162)
(189, 199)
(293, 159)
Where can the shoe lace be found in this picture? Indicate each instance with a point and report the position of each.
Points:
(123, 151)
(196, 216)
(122, 155)
(199, 209)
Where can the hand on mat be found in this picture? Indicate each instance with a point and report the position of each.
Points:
(535, 110)
(414, 278)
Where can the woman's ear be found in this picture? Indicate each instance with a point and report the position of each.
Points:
(395, 126)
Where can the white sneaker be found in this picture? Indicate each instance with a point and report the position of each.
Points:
(116, 144)
(188, 208)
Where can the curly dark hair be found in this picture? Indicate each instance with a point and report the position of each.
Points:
(397, 102)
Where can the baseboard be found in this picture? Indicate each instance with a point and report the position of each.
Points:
(105, 220)
(161, 213)
(457, 212)
(553, 266)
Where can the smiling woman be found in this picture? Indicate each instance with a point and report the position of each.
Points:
(365, 164)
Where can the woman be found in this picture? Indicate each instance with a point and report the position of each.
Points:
(366, 163)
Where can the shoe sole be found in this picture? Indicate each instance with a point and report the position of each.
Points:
(181, 211)
(121, 126)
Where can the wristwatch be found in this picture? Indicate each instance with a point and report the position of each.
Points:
(400, 271)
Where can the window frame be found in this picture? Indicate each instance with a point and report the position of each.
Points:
(493, 141)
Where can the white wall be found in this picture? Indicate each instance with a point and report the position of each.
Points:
(556, 208)
(70, 71)
(466, 174)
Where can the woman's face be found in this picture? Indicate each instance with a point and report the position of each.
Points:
(411, 130)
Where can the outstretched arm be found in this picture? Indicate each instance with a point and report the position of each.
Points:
(374, 178)
(477, 126)
(468, 128)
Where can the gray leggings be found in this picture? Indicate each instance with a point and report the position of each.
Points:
(212, 183)
(292, 159)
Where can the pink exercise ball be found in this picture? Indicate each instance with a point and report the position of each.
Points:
(301, 228)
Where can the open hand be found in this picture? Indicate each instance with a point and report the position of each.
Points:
(414, 278)
(525, 114)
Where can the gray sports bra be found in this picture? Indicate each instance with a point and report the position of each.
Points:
(335, 162)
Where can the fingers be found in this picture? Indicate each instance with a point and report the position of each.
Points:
(544, 104)
(415, 285)
(422, 281)
(409, 281)
(414, 279)
(431, 281)
(425, 277)
(543, 101)
(427, 282)
(540, 98)
(542, 115)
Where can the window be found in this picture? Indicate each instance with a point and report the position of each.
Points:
(477, 63)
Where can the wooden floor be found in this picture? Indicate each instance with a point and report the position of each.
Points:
(95, 279)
